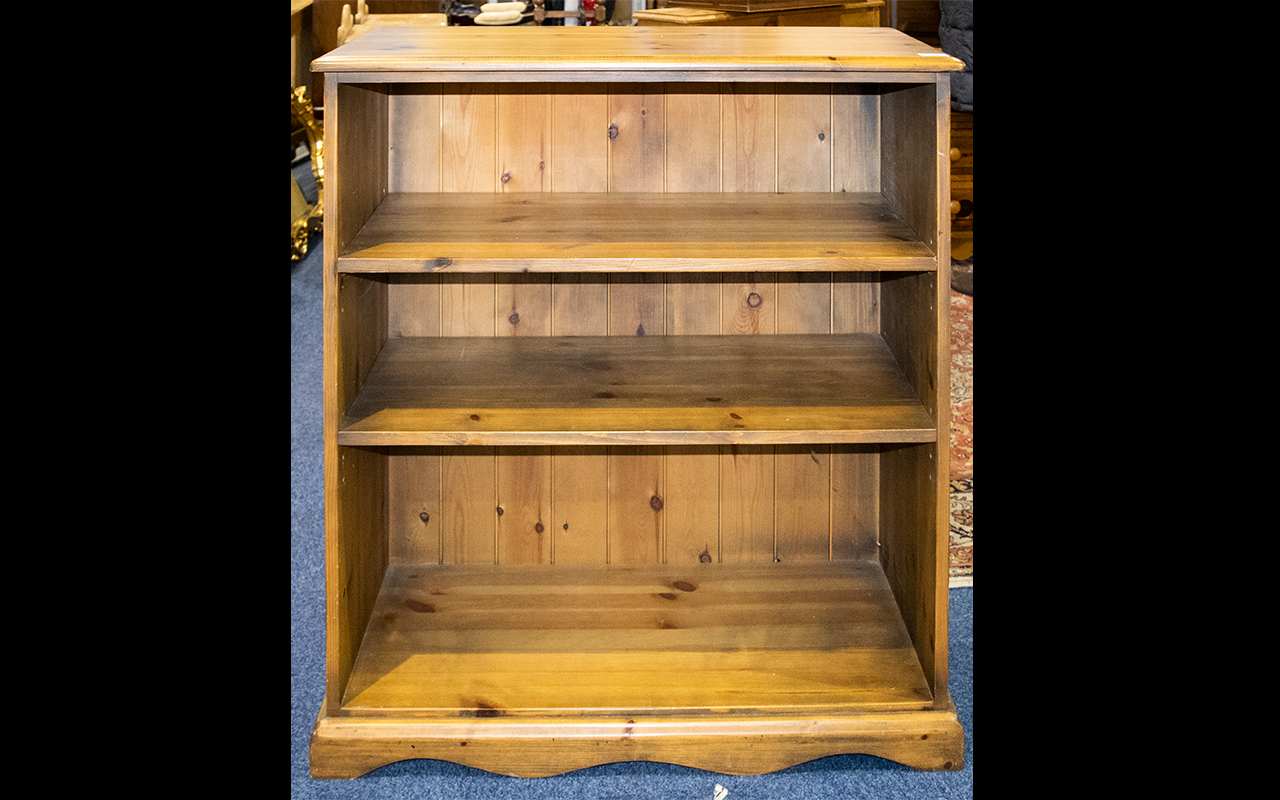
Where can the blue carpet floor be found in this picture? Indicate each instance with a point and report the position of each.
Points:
(851, 776)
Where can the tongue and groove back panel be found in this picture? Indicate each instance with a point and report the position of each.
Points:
(624, 504)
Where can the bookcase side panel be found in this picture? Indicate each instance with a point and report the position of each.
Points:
(355, 558)
(912, 143)
(914, 515)
(354, 311)
(356, 502)
(913, 323)
(356, 172)
(913, 551)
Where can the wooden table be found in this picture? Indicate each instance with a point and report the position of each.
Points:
(354, 25)
(858, 14)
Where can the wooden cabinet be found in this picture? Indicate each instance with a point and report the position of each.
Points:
(636, 398)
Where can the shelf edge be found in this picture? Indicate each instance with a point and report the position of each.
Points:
(396, 264)
(355, 438)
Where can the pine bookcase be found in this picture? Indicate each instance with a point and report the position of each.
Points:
(636, 398)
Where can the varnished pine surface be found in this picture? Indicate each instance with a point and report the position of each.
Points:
(523, 53)
(493, 697)
(480, 642)
(349, 746)
(622, 232)
(639, 390)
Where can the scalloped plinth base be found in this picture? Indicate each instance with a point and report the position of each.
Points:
(537, 748)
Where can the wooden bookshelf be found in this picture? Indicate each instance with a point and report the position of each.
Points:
(636, 399)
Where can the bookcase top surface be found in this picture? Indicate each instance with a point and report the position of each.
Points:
(529, 52)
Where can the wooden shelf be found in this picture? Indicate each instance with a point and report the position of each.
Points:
(621, 232)
(467, 641)
(529, 54)
(636, 390)
(544, 548)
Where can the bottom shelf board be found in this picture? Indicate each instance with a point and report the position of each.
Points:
(477, 642)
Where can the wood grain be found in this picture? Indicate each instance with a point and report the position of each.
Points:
(621, 232)
(521, 54)
(738, 744)
(457, 641)
(644, 390)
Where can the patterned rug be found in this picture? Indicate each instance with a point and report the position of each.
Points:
(961, 566)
